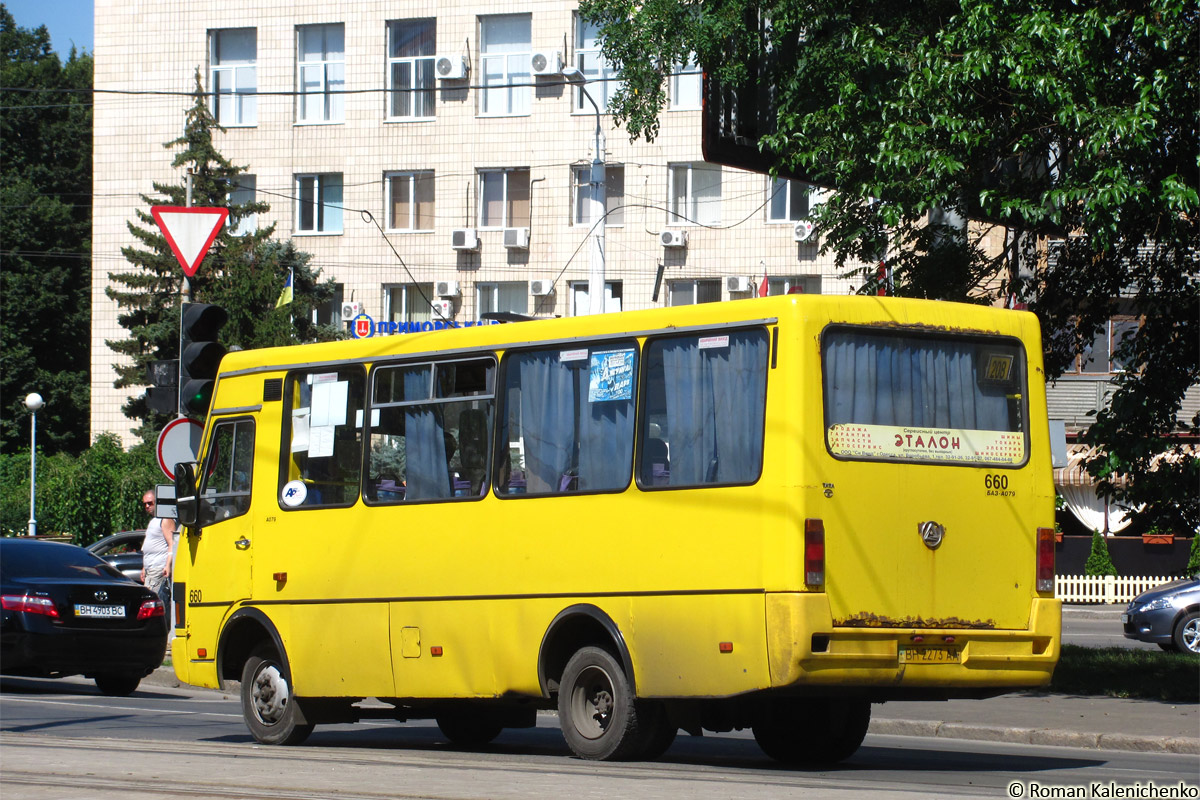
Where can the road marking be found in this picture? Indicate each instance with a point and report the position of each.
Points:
(85, 704)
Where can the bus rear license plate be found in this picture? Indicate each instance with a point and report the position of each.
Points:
(99, 611)
(929, 655)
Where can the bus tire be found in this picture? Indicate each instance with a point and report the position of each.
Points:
(818, 731)
(596, 708)
(267, 703)
(658, 732)
(467, 731)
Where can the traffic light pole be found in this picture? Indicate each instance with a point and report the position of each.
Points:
(185, 296)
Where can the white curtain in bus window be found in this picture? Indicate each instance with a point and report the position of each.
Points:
(924, 398)
(431, 431)
(705, 406)
(569, 419)
(325, 435)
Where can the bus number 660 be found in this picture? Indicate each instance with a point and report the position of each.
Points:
(995, 482)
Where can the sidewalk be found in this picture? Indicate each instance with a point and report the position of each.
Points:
(1104, 723)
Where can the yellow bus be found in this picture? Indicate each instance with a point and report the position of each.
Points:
(764, 514)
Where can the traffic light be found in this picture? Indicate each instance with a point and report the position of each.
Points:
(162, 392)
(199, 356)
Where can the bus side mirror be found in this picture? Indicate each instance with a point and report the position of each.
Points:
(187, 502)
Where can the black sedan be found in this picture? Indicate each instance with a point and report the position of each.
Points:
(67, 612)
(123, 550)
(1167, 615)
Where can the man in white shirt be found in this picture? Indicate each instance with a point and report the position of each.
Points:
(158, 548)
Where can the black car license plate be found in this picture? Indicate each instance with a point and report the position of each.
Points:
(96, 611)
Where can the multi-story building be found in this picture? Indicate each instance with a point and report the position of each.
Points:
(432, 153)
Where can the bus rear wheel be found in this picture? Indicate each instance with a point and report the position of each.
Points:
(469, 731)
(267, 703)
(815, 731)
(596, 708)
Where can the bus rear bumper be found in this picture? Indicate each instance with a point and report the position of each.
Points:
(806, 649)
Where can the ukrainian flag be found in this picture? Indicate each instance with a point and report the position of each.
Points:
(286, 296)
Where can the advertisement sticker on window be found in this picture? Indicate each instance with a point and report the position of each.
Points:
(927, 444)
(611, 376)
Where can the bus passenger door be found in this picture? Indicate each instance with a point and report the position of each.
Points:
(219, 555)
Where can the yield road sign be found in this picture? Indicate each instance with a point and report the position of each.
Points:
(189, 231)
(179, 441)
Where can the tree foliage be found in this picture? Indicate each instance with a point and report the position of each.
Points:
(1051, 120)
(45, 233)
(243, 273)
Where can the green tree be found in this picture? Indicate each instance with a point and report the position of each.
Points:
(244, 273)
(1098, 561)
(45, 235)
(1053, 120)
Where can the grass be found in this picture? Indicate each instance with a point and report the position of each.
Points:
(1121, 672)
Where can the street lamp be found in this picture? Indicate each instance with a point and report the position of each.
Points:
(34, 403)
(598, 183)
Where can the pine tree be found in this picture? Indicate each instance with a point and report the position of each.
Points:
(1099, 562)
(244, 273)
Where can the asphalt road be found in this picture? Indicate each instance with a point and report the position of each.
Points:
(62, 739)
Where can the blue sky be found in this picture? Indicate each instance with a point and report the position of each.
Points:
(69, 21)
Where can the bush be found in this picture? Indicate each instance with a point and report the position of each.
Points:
(85, 497)
(1099, 562)
(1193, 564)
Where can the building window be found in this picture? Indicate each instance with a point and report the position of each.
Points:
(510, 296)
(329, 313)
(506, 49)
(686, 85)
(233, 78)
(788, 201)
(242, 193)
(793, 284)
(581, 299)
(1099, 357)
(409, 303)
(504, 198)
(602, 79)
(691, 292)
(614, 195)
(319, 203)
(695, 194)
(411, 49)
(321, 70)
(409, 201)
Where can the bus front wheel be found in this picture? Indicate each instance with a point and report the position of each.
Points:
(596, 708)
(267, 703)
(813, 731)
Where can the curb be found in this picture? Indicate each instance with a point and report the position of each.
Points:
(165, 676)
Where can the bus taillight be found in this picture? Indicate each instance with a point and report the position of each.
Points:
(1045, 559)
(814, 553)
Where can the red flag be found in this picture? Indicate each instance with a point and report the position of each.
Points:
(762, 287)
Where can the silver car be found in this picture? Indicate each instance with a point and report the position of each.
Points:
(1167, 615)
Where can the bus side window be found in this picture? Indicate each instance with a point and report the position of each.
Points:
(568, 420)
(322, 435)
(430, 433)
(229, 472)
(702, 423)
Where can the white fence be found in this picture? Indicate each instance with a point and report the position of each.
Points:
(1103, 588)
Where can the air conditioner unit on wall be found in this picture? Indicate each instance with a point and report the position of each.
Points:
(447, 289)
(451, 67)
(516, 238)
(541, 288)
(350, 310)
(546, 63)
(803, 231)
(442, 309)
(673, 238)
(737, 283)
(464, 239)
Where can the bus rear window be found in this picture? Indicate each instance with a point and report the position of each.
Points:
(940, 399)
